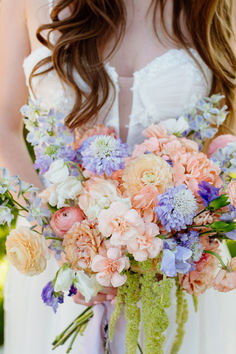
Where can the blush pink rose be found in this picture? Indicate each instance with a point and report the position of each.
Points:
(226, 280)
(108, 268)
(220, 142)
(232, 193)
(63, 219)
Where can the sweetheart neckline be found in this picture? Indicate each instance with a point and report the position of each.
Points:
(157, 59)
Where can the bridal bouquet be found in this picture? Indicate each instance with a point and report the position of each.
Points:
(137, 222)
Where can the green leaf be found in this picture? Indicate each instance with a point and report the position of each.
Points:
(221, 226)
(219, 203)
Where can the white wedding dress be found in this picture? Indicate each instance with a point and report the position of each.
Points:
(165, 88)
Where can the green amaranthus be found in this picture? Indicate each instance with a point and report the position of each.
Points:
(155, 298)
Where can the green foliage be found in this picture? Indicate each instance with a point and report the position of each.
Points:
(232, 247)
(181, 318)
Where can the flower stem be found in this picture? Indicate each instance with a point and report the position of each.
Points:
(219, 259)
(140, 349)
(54, 238)
(73, 339)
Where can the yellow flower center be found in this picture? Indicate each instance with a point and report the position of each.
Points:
(149, 177)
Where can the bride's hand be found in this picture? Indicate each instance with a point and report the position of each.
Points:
(107, 294)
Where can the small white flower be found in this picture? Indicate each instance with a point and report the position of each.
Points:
(176, 126)
(87, 286)
(69, 189)
(65, 278)
(58, 172)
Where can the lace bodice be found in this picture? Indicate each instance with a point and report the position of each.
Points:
(165, 88)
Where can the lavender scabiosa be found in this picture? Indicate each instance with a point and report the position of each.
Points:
(103, 154)
(177, 208)
(51, 298)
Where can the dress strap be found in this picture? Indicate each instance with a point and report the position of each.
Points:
(51, 4)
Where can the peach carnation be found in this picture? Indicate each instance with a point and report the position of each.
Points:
(27, 251)
(232, 193)
(147, 245)
(199, 168)
(198, 281)
(147, 170)
(156, 131)
(108, 268)
(81, 244)
(226, 280)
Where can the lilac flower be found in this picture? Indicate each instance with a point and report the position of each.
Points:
(5, 215)
(229, 217)
(36, 212)
(103, 154)
(73, 290)
(207, 192)
(231, 235)
(191, 241)
(50, 298)
(177, 208)
(7, 183)
(175, 259)
(56, 248)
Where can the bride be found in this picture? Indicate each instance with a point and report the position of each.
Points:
(128, 63)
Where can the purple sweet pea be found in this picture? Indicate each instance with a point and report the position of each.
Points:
(231, 235)
(103, 154)
(50, 299)
(207, 192)
(73, 290)
(175, 259)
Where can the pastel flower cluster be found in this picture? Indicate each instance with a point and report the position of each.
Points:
(128, 222)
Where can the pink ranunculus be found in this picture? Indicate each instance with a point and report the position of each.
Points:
(108, 268)
(121, 223)
(147, 245)
(226, 280)
(220, 142)
(232, 193)
(63, 219)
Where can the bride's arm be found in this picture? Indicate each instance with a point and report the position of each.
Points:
(14, 47)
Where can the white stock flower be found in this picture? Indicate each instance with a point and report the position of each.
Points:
(176, 126)
(87, 286)
(69, 189)
(57, 173)
(65, 278)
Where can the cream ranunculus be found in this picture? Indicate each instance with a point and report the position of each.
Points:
(27, 251)
(57, 173)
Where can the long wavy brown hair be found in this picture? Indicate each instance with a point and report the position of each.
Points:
(91, 24)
